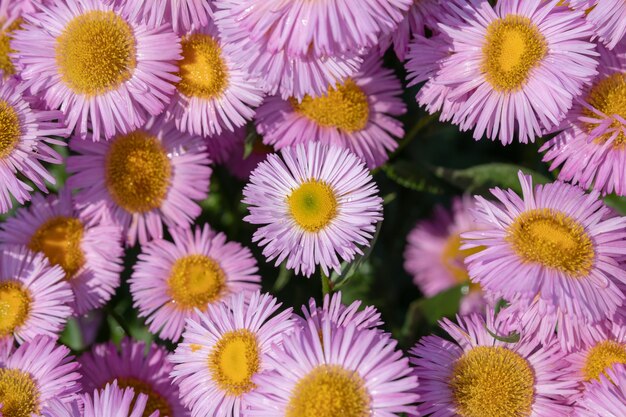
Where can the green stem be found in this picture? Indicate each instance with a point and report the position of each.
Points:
(327, 287)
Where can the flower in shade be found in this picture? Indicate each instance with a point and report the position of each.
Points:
(90, 254)
(608, 18)
(132, 367)
(517, 66)
(36, 374)
(141, 180)
(24, 144)
(433, 255)
(223, 349)
(104, 70)
(605, 397)
(317, 205)
(35, 298)
(334, 371)
(591, 150)
(113, 401)
(222, 147)
(479, 375)
(556, 247)
(56, 408)
(339, 314)
(173, 281)
(357, 114)
(182, 14)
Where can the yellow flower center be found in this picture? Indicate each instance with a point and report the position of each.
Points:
(203, 71)
(138, 172)
(344, 107)
(609, 96)
(492, 381)
(234, 361)
(14, 307)
(552, 239)
(602, 357)
(155, 400)
(19, 395)
(59, 239)
(195, 281)
(10, 129)
(6, 65)
(453, 258)
(329, 391)
(513, 47)
(313, 205)
(96, 53)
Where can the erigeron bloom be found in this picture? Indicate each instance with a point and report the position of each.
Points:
(605, 397)
(215, 93)
(11, 20)
(222, 147)
(224, 348)
(240, 163)
(339, 314)
(34, 297)
(334, 371)
(555, 246)
(608, 18)
(315, 204)
(105, 71)
(130, 365)
(433, 254)
(24, 144)
(112, 401)
(89, 254)
(591, 149)
(141, 180)
(507, 71)
(183, 15)
(479, 375)
(175, 281)
(36, 374)
(358, 114)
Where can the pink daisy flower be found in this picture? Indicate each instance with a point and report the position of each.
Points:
(90, 255)
(36, 374)
(35, 298)
(339, 314)
(11, 17)
(605, 397)
(591, 149)
(223, 349)
(222, 147)
(130, 365)
(433, 255)
(58, 409)
(184, 15)
(358, 115)
(104, 70)
(564, 246)
(241, 165)
(173, 282)
(515, 67)
(317, 204)
(24, 144)
(608, 18)
(113, 401)
(334, 371)
(478, 375)
(140, 180)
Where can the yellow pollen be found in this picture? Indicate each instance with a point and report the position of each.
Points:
(6, 65)
(313, 205)
(59, 239)
(234, 361)
(490, 381)
(19, 395)
(344, 107)
(329, 391)
(513, 48)
(553, 239)
(453, 258)
(609, 96)
(195, 281)
(96, 53)
(155, 400)
(194, 347)
(14, 307)
(10, 129)
(203, 71)
(602, 357)
(137, 172)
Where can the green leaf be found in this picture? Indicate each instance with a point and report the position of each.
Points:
(284, 276)
(348, 270)
(511, 338)
(409, 176)
(616, 202)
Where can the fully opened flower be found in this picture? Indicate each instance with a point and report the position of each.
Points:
(132, 367)
(608, 18)
(478, 375)
(11, 17)
(34, 297)
(104, 70)
(24, 144)
(509, 71)
(605, 397)
(141, 180)
(172, 281)
(223, 349)
(316, 205)
(358, 114)
(90, 254)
